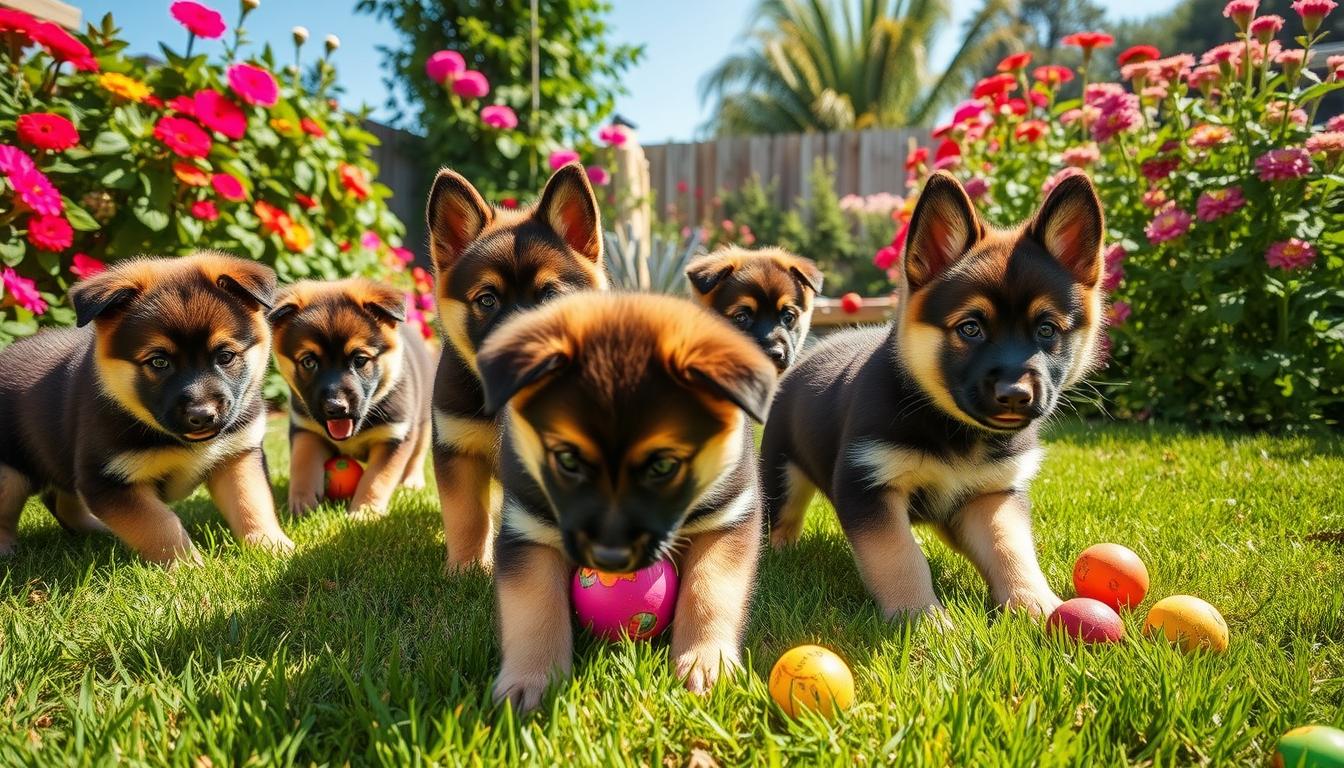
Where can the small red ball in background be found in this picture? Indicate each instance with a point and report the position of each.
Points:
(342, 477)
(851, 303)
(1112, 574)
(1088, 620)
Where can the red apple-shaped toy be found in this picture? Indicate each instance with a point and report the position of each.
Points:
(342, 477)
(851, 303)
(1112, 574)
(637, 605)
(1088, 620)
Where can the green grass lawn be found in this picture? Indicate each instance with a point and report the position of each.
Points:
(358, 649)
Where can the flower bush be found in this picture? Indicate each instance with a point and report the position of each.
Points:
(104, 158)
(1224, 209)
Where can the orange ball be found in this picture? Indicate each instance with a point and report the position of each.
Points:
(1112, 574)
(342, 477)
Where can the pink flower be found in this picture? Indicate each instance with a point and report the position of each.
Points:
(183, 136)
(1119, 313)
(598, 175)
(1205, 136)
(1154, 198)
(471, 85)
(1114, 256)
(198, 19)
(1284, 164)
(614, 135)
(1140, 72)
(1290, 254)
(1204, 78)
(886, 257)
(1217, 203)
(45, 130)
(445, 65)
(204, 210)
(370, 240)
(1081, 156)
(1334, 64)
(499, 117)
(406, 256)
(1112, 278)
(217, 113)
(1119, 114)
(1052, 75)
(63, 46)
(1160, 167)
(228, 187)
(1264, 28)
(85, 266)
(1169, 223)
(1335, 123)
(50, 233)
(1291, 61)
(976, 187)
(1329, 143)
(37, 192)
(562, 157)
(1279, 112)
(14, 160)
(1054, 180)
(253, 85)
(947, 155)
(23, 291)
(1088, 40)
(1312, 12)
(1241, 12)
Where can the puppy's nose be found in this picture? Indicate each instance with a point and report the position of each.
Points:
(201, 416)
(335, 407)
(609, 558)
(1013, 395)
(778, 355)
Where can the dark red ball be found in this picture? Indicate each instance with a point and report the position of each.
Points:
(1088, 620)
(851, 303)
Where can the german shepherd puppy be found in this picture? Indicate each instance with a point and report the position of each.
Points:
(767, 293)
(157, 390)
(359, 382)
(935, 418)
(625, 442)
(491, 264)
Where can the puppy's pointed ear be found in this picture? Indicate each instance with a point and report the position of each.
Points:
(943, 228)
(516, 357)
(248, 281)
(455, 214)
(1070, 225)
(706, 272)
(101, 295)
(384, 302)
(286, 306)
(569, 208)
(807, 273)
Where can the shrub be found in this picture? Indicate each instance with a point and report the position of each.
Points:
(103, 157)
(1224, 207)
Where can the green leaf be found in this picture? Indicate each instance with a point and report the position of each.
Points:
(80, 218)
(11, 251)
(110, 143)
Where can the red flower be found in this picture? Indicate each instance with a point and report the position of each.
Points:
(198, 19)
(994, 86)
(947, 155)
(217, 113)
(183, 136)
(1312, 12)
(1089, 41)
(47, 131)
(63, 46)
(1053, 74)
(311, 127)
(1030, 130)
(917, 158)
(1138, 53)
(272, 219)
(17, 24)
(253, 85)
(50, 233)
(1016, 106)
(306, 201)
(354, 179)
(183, 104)
(228, 187)
(85, 266)
(1015, 62)
(204, 210)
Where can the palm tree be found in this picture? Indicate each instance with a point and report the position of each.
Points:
(822, 65)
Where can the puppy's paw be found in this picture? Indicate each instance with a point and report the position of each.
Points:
(276, 543)
(1038, 603)
(522, 690)
(185, 558)
(931, 614)
(414, 481)
(785, 536)
(367, 511)
(302, 501)
(458, 565)
(699, 667)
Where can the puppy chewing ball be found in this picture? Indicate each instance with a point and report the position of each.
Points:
(637, 605)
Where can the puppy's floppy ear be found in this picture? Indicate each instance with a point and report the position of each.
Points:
(1070, 225)
(807, 273)
(250, 282)
(384, 302)
(455, 214)
(943, 227)
(101, 295)
(729, 366)
(569, 208)
(706, 272)
(287, 304)
(524, 352)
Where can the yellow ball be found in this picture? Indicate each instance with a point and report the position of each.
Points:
(1189, 621)
(810, 677)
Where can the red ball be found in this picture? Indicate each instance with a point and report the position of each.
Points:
(342, 476)
(851, 303)
(1088, 620)
(1112, 574)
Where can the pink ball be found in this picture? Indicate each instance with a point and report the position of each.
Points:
(1088, 620)
(613, 605)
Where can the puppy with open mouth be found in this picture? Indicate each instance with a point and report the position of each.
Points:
(934, 419)
(625, 441)
(157, 390)
(359, 381)
(767, 293)
(491, 264)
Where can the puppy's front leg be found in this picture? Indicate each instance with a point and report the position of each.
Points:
(537, 644)
(877, 522)
(140, 519)
(382, 474)
(464, 495)
(994, 532)
(308, 454)
(718, 571)
(242, 492)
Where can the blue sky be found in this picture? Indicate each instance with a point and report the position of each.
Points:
(683, 39)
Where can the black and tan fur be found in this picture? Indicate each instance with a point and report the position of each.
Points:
(491, 264)
(935, 418)
(625, 442)
(767, 293)
(359, 381)
(156, 391)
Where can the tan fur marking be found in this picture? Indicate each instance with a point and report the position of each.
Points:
(892, 565)
(944, 482)
(386, 467)
(242, 492)
(75, 516)
(145, 524)
(181, 468)
(14, 492)
(465, 498)
(793, 512)
(453, 318)
(921, 344)
(536, 642)
(308, 452)
(116, 379)
(973, 305)
(994, 533)
(477, 436)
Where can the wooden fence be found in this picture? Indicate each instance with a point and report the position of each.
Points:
(404, 167)
(689, 176)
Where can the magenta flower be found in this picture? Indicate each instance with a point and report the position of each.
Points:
(50, 233)
(499, 117)
(1169, 223)
(183, 136)
(471, 85)
(1264, 28)
(1159, 168)
(199, 20)
(886, 257)
(217, 113)
(1312, 12)
(1335, 123)
(562, 157)
(1120, 312)
(445, 65)
(1081, 156)
(598, 175)
(1284, 164)
(14, 160)
(406, 256)
(1119, 114)
(37, 192)
(1154, 198)
(23, 291)
(614, 135)
(1217, 203)
(228, 187)
(204, 210)
(1290, 254)
(370, 240)
(1112, 278)
(253, 85)
(1241, 12)
(976, 187)
(85, 266)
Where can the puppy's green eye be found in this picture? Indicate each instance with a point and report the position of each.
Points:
(1047, 331)
(743, 319)
(970, 330)
(487, 301)
(567, 459)
(159, 361)
(664, 467)
(309, 363)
